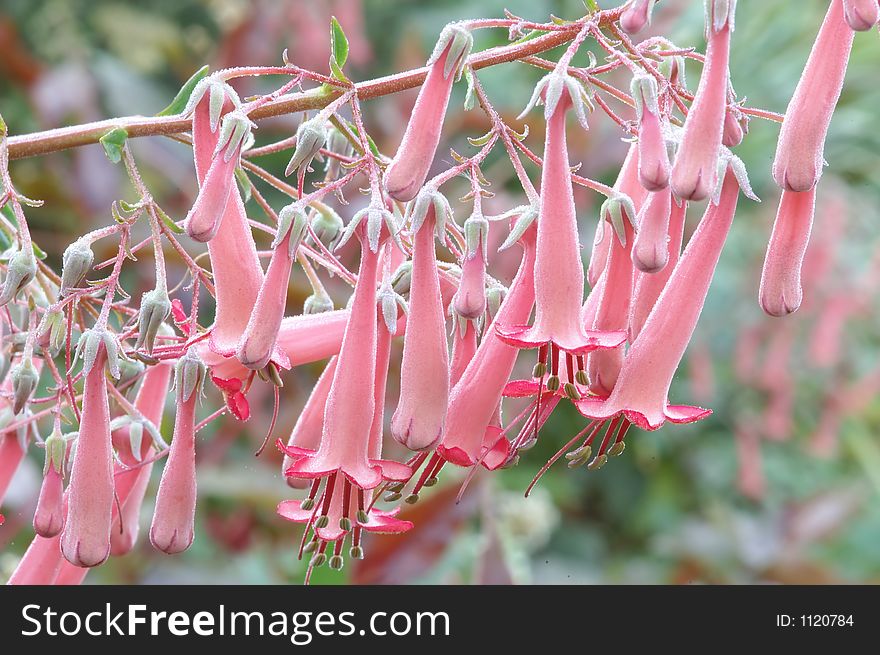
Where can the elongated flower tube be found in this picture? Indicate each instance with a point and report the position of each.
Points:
(799, 158)
(307, 431)
(13, 446)
(612, 310)
(173, 519)
(49, 515)
(133, 475)
(559, 271)
(653, 155)
(420, 417)
(85, 540)
(642, 388)
(648, 286)
(781, 292)
(474, 399)
(258, 341)
(470, 299)
(409, 169)
(636, 16)
(694, 174)
(628, 184)
(205, 217)
(234, 263)
(650, 252)
(343, 451)
(861, 15)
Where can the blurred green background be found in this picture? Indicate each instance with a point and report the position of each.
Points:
(780, 484)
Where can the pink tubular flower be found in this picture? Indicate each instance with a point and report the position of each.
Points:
(640, 394)
(648, 286)
(861, 15)
(695, 172)
(419, 420)
(636, 16)
(49, 515)
(85, 540)
(408, 170)
(234, 263)
(470, 299)
(799, 151)
(653, 155)
(258, 341)
(475, 397)
(650, 252)
(309, 425)
(559, 271)
(205, 217)
(612, 308)
(173, 519)
(343, 451)
(132, 478)
(781, 292)
(11, 455)
(348, 454)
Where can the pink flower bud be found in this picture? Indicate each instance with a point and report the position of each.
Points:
(799, 151)
(49, 515)
(653, 155)
(85, 540)
(650, 252)
(470, 299)
(172, 527)
(636, 16)
(407, 172)
(258, 341)
(781, 293)
(861, 15)
(419, 420)
(204, 219)
(736, 126)
(695, 172)
(648, 286)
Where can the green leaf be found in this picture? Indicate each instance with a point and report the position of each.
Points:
(373, 148)
(113, 143)
(528, 37)
(591, 6)
(170, 224)
(39, 253)
(244, 183)
(177, 105)
(338, 43)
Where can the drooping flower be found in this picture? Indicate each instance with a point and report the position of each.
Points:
(695, 172)
(640, 395)
(132, 476)
(648, 286)
(559, 271)
(205, 217)
(636, 15)
(470, 299)
(419, 420)
(49, 515)
(475, 397)
(408, 170)
(650, 253)
(85, 540)
(234, 263)
(258, 341)
(347, 459)
(174, 516)
(612, 308)
(307, 431)
(653, 154)
(781, 292)
(861, 15)
(798, 163)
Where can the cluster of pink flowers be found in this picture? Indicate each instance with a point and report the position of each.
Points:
(612, 352)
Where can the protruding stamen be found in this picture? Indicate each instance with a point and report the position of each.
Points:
(581, 376)
(572, 391)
